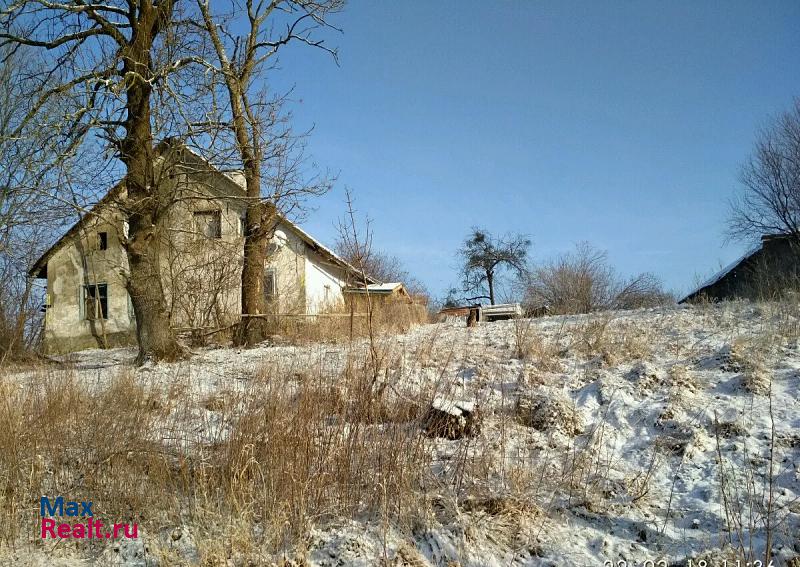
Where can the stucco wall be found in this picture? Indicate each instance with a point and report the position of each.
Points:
(70, 269)
(324, 284)
(202, 276)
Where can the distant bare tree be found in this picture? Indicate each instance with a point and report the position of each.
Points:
(575, 282)
(769, 201)
(486, 258)
(583, 281)
(641, 291)
(381, 266)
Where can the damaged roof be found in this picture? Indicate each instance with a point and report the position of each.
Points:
(39, 268)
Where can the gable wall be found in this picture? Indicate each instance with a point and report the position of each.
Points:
(75, 265)
(202, 276)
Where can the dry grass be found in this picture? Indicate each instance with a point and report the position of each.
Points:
(251, 468)
(612, 342)
(282, 454)
(544, 352)
(343, 326)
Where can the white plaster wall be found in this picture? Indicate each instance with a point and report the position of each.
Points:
(324, 284)
(75, 265)
(288, 259)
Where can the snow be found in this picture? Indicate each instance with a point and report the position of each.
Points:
(453, 407)
(657, 405)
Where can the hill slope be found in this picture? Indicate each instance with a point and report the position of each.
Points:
(648, 435)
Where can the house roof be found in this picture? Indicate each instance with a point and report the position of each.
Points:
(378, 288)
(39, 268)
(732, 266)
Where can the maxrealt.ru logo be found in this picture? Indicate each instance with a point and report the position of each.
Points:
(88, 530)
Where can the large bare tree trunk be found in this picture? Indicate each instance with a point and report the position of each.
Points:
(144, 199)
(92, 40)
(254, 328)
(259, 217)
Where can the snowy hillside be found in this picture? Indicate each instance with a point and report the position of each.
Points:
(661, 435)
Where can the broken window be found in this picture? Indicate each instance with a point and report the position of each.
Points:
(270, 284)
(102, 241)
(208, 223)
(95, 301)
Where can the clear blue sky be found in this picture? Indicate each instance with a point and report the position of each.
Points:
(620, 123)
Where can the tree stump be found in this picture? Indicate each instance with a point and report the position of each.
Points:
(452, 419)
(473, 317)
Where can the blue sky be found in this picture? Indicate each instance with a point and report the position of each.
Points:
(619, 123)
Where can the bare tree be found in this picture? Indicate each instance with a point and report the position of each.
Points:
(583, 281)
(110, 58)
(381, 266)
(769, 201)
(485, 258)
(28, 214)
(241, 59)
(641, 291)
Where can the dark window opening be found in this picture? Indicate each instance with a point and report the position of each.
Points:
(208, 223)
(96, 301)
(102, 241)
(270, 284)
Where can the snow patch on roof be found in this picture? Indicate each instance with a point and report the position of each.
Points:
(377, 288)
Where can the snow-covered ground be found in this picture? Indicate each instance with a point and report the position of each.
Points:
(643, 435)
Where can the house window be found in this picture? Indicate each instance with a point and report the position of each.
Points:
(208, 223)
(102, 241)
(95, 301)
(270, 284)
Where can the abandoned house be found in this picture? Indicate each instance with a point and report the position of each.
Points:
(201, 254)
(766, 271)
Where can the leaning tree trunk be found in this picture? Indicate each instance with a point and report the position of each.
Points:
(145, 202)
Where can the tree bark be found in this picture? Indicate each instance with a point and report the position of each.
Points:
(490, 283)
(254, 327)
(144, 197)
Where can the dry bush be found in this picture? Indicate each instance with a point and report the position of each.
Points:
(543, 351)
(749, 356)
(583, 282)
(681, 379)
(547, 413)
(20, 320)
(59, 438)
(584, 470)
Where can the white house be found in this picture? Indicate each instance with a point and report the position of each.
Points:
(201, 256)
